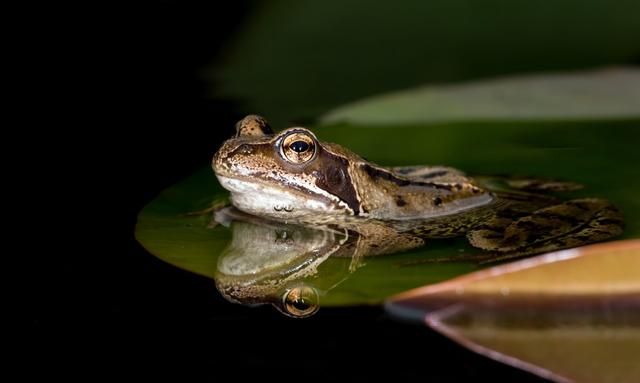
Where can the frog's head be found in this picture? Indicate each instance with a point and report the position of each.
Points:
(285, 175)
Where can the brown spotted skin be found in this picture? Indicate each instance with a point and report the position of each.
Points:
(565, 225)
(258, 159)
(342, 181)
(291, 176)
(416, 192)
(253, 125)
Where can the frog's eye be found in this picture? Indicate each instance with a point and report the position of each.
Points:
(298, 147)
(301, 301)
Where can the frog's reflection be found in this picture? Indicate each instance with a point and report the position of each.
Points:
(277, 263)
(284, 263)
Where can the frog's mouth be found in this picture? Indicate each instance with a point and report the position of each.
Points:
(257, 197)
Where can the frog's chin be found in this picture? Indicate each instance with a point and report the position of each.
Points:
(262, 199)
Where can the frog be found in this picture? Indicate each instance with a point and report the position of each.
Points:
(293, 177)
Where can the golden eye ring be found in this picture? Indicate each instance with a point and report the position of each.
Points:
(298, 147)
(301, 302)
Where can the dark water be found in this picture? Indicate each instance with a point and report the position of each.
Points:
(119, 307)
(253, 263)
(558, 150)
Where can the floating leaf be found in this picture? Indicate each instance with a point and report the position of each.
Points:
(601, 94)
(572, 315)
(586, 153)
(295, 60)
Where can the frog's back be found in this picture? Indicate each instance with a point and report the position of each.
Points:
(443, 174)
(417, 192)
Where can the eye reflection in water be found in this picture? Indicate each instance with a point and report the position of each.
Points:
(300, 302)
(280, 264)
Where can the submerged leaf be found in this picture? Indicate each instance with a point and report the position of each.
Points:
(572, 315)
(601, 94)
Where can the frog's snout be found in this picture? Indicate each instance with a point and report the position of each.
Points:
(220, 157)
(215, 161)
(233, 155)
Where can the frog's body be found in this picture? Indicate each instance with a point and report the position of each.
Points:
(293, 177)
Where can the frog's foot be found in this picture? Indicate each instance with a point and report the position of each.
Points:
(211, 210)
(569, 224)
(215, 206)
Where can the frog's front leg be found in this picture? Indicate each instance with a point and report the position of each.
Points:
(565, 225)
(215, 206)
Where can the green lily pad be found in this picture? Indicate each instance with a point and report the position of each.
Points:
(601, 94)
(601, 155)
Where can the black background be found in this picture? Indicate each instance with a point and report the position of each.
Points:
(112, 308)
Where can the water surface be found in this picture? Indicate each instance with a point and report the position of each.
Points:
(600, 155)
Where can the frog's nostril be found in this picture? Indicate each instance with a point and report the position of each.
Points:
(216, 158)
(245, 149)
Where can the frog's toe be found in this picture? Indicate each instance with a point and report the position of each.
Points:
(570, 224)
(491, 235)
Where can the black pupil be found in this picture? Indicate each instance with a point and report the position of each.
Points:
(300, 304)
(299, 146)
